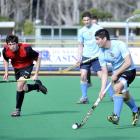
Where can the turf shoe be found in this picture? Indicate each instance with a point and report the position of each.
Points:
(135, 117)
(83, 101)
(113, 118)
(89, 85)
(41, 87)
(16, 113)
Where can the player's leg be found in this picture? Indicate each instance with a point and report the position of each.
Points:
(84, 87)
(83, 82)
(128, 99)
(36, 86)
(89, 78)
(134, 108)
(118, 103)
(19, 98)
(121, 86)
(22, 87)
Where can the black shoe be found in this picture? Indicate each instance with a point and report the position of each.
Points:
(16, 113)
(135, 117)
(113, 118)
(41, 87)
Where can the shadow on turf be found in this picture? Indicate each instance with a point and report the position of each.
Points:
(111, 138)
(128, 126)
(50, 112)
(67, 138)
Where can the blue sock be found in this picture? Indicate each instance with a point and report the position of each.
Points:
(118, 103)
(110, 90)
(132, 105)
(84, 87)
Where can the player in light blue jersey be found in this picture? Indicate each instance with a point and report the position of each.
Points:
(117, 53)
(87, 49)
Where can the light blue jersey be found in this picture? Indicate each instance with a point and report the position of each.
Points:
(115, 55)
(86, 36)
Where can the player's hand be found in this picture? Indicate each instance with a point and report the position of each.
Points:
(79, 62)
(5, 76)
(114, 77)
(101, 95)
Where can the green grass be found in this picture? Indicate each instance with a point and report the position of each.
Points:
(50, 117)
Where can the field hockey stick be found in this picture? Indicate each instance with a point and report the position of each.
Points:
(11, 81)
(77, 65)
(89, 113)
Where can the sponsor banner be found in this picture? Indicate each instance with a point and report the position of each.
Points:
(54, 56)
(57, 56)
(68, 56)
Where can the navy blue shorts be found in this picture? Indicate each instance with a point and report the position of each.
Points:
(94, 64)
(24, 72)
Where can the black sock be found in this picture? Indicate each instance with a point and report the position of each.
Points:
(32, 87)
(19, 99)
(88, 77)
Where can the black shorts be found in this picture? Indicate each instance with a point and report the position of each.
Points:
(129, 76)
(24, 72)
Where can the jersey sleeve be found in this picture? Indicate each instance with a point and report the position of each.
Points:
(102, 61)
(32, 53)
(124, 49)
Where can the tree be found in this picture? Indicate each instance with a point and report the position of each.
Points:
(102, 15)
(28, 27)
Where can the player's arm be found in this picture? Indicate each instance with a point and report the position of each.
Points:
(35, 56)
(38, 62)
(80, 51)
(6, 65)
(80, 45)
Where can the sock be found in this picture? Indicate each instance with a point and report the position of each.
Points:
(110, 90)
(88, 77)
(32, 87)
(84, 89)
(19, 99)
(118, 103)
(131, 104)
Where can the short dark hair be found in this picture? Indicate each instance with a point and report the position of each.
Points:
(86, 14)
(102, 33)
(11, 38)
(94, 17)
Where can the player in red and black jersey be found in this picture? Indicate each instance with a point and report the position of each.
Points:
(22, 57)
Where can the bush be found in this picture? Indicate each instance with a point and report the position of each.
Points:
(28, 27)
(5, 18)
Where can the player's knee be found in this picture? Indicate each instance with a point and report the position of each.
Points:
(83, 78)
(25, 87)
(20, 86)
(118, 88)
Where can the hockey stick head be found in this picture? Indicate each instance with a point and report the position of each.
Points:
(76, 126)
(89, 113)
